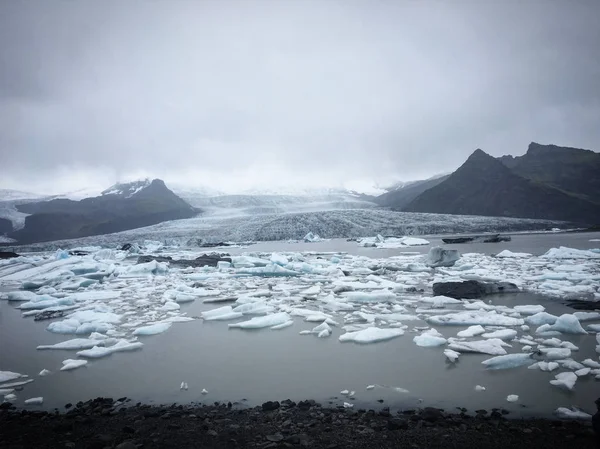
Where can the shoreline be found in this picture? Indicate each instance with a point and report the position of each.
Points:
(106, 423)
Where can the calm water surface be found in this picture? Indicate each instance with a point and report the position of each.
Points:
(233, 364)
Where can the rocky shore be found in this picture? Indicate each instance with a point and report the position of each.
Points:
(106, 423)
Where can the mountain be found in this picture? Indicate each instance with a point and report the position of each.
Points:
(484, 185)
(119, 208)
(401, 194)
(16, 195)
(572, 170)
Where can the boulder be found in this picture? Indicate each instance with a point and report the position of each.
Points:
(440, 257)
(7, 255)
(472, 289)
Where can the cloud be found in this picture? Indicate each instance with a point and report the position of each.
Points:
(262, 93)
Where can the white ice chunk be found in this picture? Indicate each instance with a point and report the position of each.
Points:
(348, 405)
(507, 361)
(152, 329)
(492, 346)
(375, 296)
(263, 321)
(556, 353)
(591, 363)
(484, 318)
(271, 270)
(570, 253)
(71, 364)
(510, 255)
(204, 391)
(77, 343)
(502, 334)
(479, 388)
(429, 339)
(370, 387)
(5, 376)
(565, 380)
(541, 318)
(221, 313)
(471, 331)
(529, 310)
(283, 325)
(572, 413)
(587, 316)
(512, 398)
(583, 372)
(121, 345)
(371, 335)
(567, 323)
(451, 355)
(279, 259)
(45, 372)
(34, 401)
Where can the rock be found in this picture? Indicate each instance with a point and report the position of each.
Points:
(431, 414)
(288, 403)
(48, 315)
(126, 445)
(397, 424)
(472, 289)
(127, 429)
(8, 255)
(440, 257)
(212, 433)
(277, 437)
(126, 247)
(270, 406)
(79, 253)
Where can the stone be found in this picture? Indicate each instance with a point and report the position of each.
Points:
(212, 433)
(277, 437)
(126, 445)
(8, 255)
(397, 424)
(270, 406)
(210, 260)
(472, 289)
(431, 414)
(48, 315)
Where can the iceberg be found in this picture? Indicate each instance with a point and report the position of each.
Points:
(503, 334)
(451, 355)
(484, 318)
(375, 296)
(440, 257)
(71, 364)
(34, 401)
(565, 380)
(509, 254)
(121, 345)
(152, 329)
(492, 346)
(572, 413)
(270, 270)
(371, 335)
(512, 398)
(541, 318)
(471, 331)
(556, 353)
(310, 237)
(567, 323)
(429, 339)
(507, 361)
(529, 310)
(5, 376)
(570, 253)
(77, 343)
(263, 321)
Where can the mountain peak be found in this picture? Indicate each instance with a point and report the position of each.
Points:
(128, 189)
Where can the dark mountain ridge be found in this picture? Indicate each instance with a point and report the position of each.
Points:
(401, 197)
(484, 185)
(129, 208)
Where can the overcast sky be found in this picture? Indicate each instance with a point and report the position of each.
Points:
(242, 94)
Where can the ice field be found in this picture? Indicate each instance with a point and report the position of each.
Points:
(305, 321)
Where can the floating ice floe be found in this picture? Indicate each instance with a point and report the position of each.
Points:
(5, 376)
(34, 401)
(371, 335)
(512, 398)
(152, 329)
(120, 346)
(430, 338)
(567, 323)
(471, 331)
(572, 413)
(275, 319)
(484, 318)
(479, 388)
(509, 254)
(491, 346)
(71, 364)
(502, 334)
(507, 361)
(451, 355)
(44, 372)
(565, 380)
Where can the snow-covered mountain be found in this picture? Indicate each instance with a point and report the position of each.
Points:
(17, 195)
(127, 189)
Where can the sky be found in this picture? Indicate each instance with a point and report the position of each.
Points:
(237, 95)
